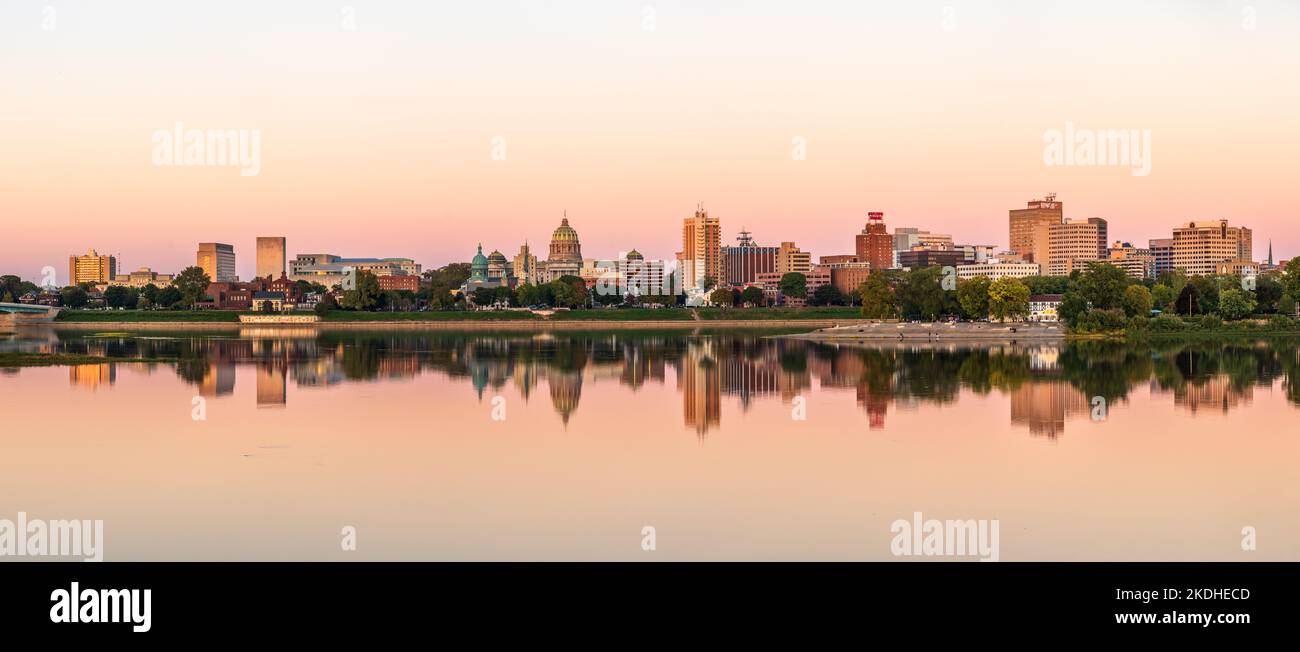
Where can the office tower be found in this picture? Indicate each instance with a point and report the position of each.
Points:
(701, 254)
(270, 257)
(790, 259)
(874, 245)
(91, 268)
(525, 266)
(218, 260)
(1075, 242)
(746, 260)
(1162, 253)
(1028, 228)
(1199, 247)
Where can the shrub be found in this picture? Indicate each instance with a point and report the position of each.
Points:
(1167, 324)
(1101, 321)
(1281, 323)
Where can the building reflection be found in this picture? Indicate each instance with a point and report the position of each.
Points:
(1045, 386)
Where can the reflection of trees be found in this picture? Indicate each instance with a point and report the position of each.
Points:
(742, 365)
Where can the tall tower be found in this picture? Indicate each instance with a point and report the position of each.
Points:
(874, 245)
(218, 260)
(701, 254)
(270, 257)
(1028, 227)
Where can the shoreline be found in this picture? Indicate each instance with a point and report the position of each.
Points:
(529, 325)
(936, 332)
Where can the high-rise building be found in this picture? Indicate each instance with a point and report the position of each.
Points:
(270, 257)
(790, 259)
(1075, 242)
(91, 268)
(874, 245)
(1028, 227)
(1135, 261)
(218, 260)
(743, 263)
(922, 257)
(1162, 253)
(701, 254)
(1199, 247)
(525, 267)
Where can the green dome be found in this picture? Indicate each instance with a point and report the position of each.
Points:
(480, 261)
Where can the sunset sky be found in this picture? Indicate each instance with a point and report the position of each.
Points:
(377, 122)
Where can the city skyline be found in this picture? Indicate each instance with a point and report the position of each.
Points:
(772, 116)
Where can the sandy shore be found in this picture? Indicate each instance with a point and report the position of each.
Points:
(504, 325)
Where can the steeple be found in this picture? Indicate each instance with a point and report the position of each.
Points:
(1270, 252)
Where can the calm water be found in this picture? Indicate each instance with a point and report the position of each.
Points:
(731, 445)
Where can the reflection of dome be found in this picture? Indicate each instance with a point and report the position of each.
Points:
(564, 244)
(635, 255)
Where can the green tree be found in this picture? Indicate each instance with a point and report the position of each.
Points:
(721, 297)
(1291, 279)
(973, 295)
(74, 297)
(752, 296)
(826, 295)
(795, 285)
(1268, 290)
(1286, 305)
(570, 292)
(1073, 305)
(708, 283)
(877, 297)
(1103, 285)
(1008, 298)
(1236, 304)
(365, 295)
(192, 283)
(119, 296)
(1162, 296)
(169, 297)
(1137, 301)
(919, 293)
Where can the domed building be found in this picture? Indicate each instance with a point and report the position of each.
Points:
(565, 257)
(487, 272)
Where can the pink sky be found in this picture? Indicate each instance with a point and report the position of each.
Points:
(377, 141)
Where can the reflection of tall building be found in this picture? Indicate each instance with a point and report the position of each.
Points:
(1214, 393)
(271, 380)
(1043, 406)
(91, 376)
(218, 379)
(699, 379)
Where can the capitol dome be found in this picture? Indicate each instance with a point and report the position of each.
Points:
(634, 255)
(565, 247)
(496, 258)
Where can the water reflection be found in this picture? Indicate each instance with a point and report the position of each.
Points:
(1047, 386)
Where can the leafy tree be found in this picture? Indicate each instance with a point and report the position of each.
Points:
(973, 295)
(365, 295)
(1046, 284)
(325, 304)
(143, 303)
(267, 307)
(721, 297)
(1162, 296)
(1072, 306)
(827, 295)
(1188, 301)
(752, 296)
(14, 287)
(919, 293)
(570, 292)
(1286, 305)
(119, 296)
(192, 283)
(877, 297)
(794, 284)
(708, 283)
(1236, 304)
(529, 294)
(483, 297)
(1137, 301)
(74, 297)
(1291, 279)
(150, 292)
(1008, 298)
(168, 297)
(1268, 290)
(1103, 285)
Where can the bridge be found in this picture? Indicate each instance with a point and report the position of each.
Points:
(17, 314)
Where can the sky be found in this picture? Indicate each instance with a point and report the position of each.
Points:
(421, 129)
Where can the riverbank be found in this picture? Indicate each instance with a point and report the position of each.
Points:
(532, 325)
(937, 332)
